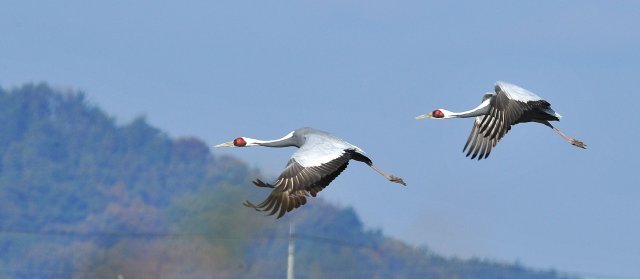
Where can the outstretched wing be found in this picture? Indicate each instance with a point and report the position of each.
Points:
(310, 170)
(506, 108)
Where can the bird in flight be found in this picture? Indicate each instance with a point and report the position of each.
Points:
(320, 158)
(509, 105)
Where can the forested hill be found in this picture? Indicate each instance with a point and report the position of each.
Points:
(83, 197)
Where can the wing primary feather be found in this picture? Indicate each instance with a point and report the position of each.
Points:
(492, 143)
(251, 205)
(260, 183)
(487, 147)
(296, 183)
(275, 206)
(271, 202)
(473, 130)
(473, 144)
(283, 207)
(477, 149)
(483, 147)
(484, 119)
(497, 125)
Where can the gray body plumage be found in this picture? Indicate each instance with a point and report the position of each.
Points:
(317, 147)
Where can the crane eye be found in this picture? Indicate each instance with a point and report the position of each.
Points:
(437, 114)
(239, 142)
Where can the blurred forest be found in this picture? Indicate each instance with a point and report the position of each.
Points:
(84, 197)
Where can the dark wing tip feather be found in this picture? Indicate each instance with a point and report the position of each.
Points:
(284, 206)
(250, 205)
(295, 184)
(473, 130)
(490, 128)
(260, 183)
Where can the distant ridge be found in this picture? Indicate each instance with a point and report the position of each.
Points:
(83, 197)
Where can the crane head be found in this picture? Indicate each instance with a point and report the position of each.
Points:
(437, 114)
(239, 142)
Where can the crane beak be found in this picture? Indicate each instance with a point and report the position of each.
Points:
(226, 144)
(428, 115)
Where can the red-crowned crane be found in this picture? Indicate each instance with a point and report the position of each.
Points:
(509, 105)
(321, 157)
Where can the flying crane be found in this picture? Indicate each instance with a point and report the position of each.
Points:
(320, 158)
(509, 105)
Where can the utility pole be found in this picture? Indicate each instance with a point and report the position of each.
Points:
(292, 238)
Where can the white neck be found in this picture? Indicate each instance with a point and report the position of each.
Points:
(271, 143)
(482, 109)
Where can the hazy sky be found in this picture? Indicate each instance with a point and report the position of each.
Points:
(363, 70)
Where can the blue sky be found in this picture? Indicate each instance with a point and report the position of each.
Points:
(363, 70)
